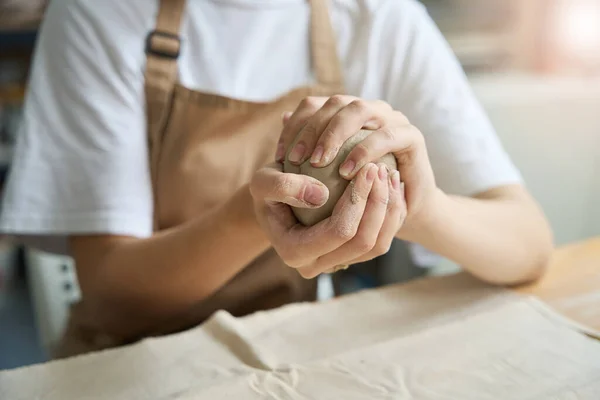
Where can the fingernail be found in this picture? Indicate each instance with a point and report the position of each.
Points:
(330, 155)
(347, 168)
(280, 154)
(297, 153)
(372, 172)
(396, 180)
(317, 155)
(383, 173)
(315, 195)
(371, 125)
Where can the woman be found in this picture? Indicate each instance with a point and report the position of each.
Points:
(154, 167)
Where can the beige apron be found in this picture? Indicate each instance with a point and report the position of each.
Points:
(204, 147)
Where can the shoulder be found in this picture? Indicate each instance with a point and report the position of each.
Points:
(383, 24)
(110, 33)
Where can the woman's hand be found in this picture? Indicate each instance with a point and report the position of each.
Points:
(323, 124)
(362, 226)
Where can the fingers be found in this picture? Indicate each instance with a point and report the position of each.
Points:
(353, 117)
(333, 232)
(400, 140)
(296, 122)
(366, 237)
(274, 191)
(320, 125)
(312, 130)
(273, 186)
(396, 214)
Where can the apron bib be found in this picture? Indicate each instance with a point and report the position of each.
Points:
(203, 148)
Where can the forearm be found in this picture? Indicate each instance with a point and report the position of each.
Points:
(500, 239)
(167, 273)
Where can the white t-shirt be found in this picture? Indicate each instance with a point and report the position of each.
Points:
(81, 163)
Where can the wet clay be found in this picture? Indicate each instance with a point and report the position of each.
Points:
(331, 178)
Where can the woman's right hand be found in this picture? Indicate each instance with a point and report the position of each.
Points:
(362, 226)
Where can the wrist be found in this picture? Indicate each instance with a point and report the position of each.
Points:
(241, 211)
(425, 223)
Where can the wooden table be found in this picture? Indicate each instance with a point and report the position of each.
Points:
(572, 284)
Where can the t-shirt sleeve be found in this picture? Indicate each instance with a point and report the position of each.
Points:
(80, 164)
(424, 80)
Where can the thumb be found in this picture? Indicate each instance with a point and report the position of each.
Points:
(273, 186)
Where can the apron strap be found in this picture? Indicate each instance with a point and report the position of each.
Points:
(163, 46)
(325, 59)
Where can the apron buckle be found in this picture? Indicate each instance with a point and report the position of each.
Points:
(163, 44)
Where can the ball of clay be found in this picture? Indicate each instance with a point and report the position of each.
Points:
(331, 178)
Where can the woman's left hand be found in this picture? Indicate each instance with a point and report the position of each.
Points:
(323, 124)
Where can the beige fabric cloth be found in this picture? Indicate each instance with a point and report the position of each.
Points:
(443, 338)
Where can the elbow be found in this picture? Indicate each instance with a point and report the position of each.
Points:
(533, 253)
(537, 254)
(520, 273)
(527, 262)
(525, 249)
(533, 269)
(530, 264)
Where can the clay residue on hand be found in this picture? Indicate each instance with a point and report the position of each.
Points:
(354, 196)
(346, 221)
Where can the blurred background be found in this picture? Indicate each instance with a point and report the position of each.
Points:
(534, 64)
